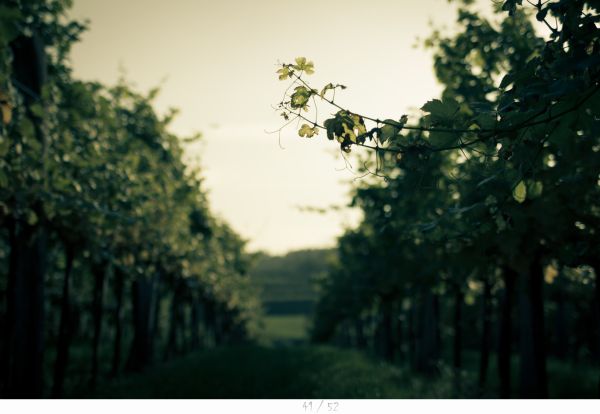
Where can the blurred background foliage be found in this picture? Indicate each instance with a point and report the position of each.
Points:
(474, 271)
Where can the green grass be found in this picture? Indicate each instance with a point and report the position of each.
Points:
(284, 329)
(262, 372)
(306, 371)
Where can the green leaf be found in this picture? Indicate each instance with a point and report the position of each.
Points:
(359, 126)
(309, 68)
(349, 133)
(390, 129)
(330, 127)
(284, 73)
(308, 131)
(302, 64)
(520, 192)
(511, 5)
(32, 218)
(300, 97)
(441, 111)
(325, 89)
(37, 110)
(534, 189)
(485, 121)
(432, 106)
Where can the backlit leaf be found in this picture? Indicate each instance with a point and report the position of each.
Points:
(307, 131)
(520, 192)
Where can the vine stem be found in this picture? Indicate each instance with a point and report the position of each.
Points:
(529, 122)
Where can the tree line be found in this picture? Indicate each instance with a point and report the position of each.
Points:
(108, 247)
(481, 216)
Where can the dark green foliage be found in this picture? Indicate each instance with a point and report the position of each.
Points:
(493, 189)
(103, 225)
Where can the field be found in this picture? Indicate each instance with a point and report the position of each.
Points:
(280, 329)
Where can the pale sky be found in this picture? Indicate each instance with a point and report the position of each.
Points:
(216, 62)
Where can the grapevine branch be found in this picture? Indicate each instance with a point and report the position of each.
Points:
(483, 133)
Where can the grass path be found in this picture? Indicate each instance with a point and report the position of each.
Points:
(263, 372)
(315, 372)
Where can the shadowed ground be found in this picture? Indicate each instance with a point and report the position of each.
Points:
(262, 372)
(312, 372)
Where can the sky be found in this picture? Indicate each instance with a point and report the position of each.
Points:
(216, 61)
